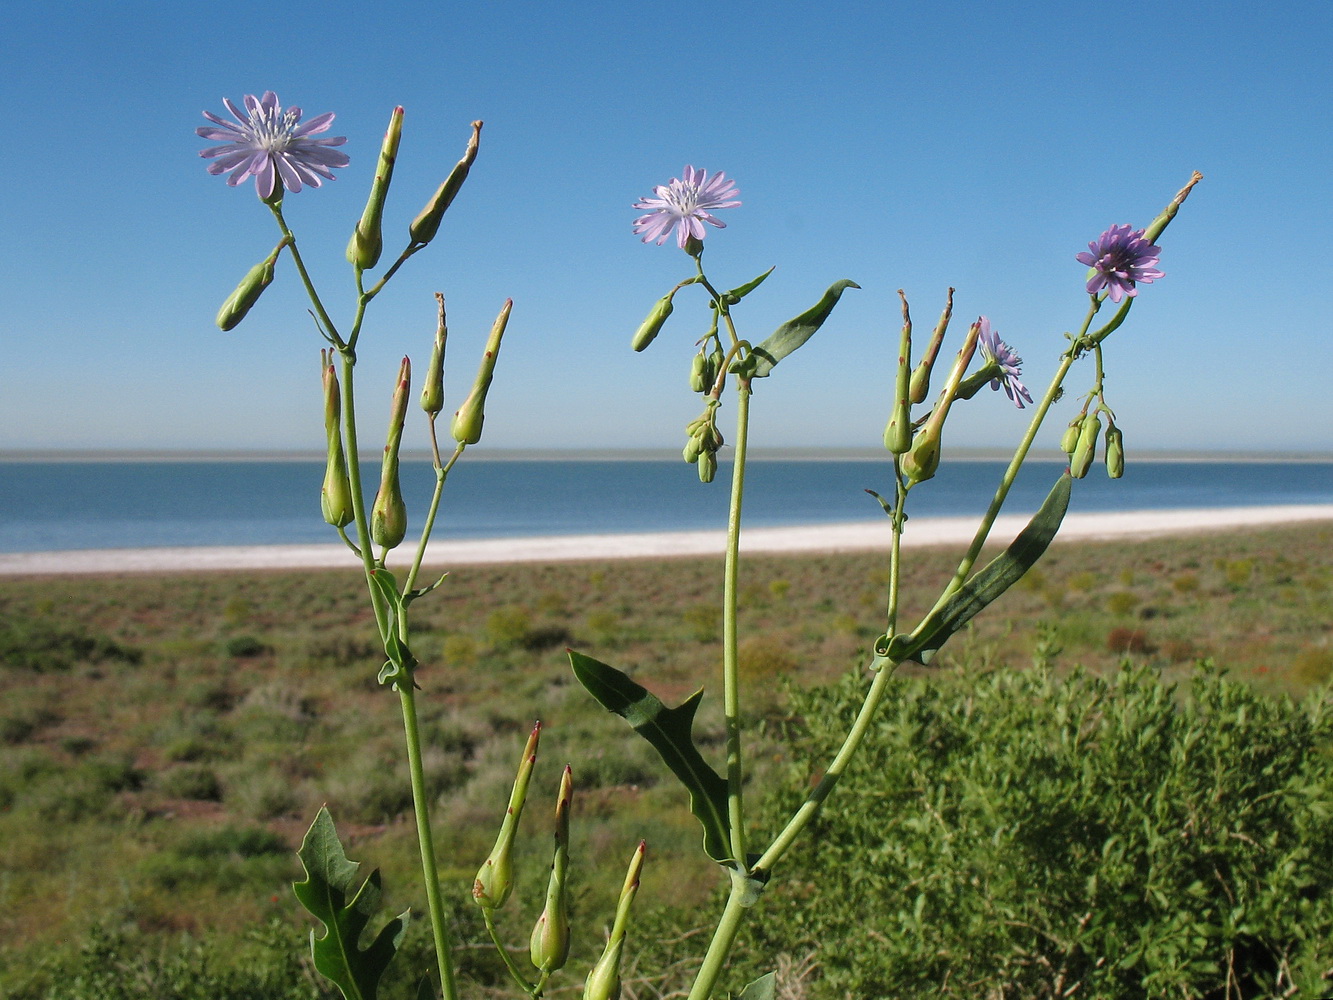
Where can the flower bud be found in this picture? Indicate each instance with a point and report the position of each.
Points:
(919, 387)
(367, 241)
(495, 878)
(603, 982)
(922, 461)
(701, 375)
(427, 223)
(336, 495)
(468, 419)
(432, 389)
(549, 944)
(1086, 449)
(1069, 440)
(707, 464)
(898, 433)
(1115, 452)
(652, 326)
(246, 294)
(693, 448)
(388, 516)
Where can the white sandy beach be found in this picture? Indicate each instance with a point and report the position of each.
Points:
(859, 536)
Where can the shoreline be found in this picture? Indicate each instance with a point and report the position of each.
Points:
(860, 536)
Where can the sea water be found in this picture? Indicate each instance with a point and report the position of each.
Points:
(47, 506)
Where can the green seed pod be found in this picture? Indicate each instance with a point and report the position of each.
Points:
(246, 294)
(367, 240)
(427, 223)
(548, 946)
(919, 386)
(1086, 450)
(495, 878)
(432, 390)
(652, 326)
(335, 497)
(468, 419)
(898, 433)
(388, 515)
(707, 463)
(1069, 440)
(603, 982)
(1115, 452)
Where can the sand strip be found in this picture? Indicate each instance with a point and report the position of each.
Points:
(859, 536)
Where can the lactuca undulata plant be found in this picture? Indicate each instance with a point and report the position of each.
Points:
(1119, 260)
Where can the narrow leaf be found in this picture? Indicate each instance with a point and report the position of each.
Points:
(763, 988)
(740, 291)
(331, 894)
(1002, 572)
(670, 731)
(795, 332)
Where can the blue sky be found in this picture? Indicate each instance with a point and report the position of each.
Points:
(918, 146)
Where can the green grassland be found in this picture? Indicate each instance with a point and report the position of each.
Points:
(165, 740)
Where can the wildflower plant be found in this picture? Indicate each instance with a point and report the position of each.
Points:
(283, 156)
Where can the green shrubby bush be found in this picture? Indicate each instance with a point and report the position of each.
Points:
(1022, 835)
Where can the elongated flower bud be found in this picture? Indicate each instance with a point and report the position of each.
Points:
(1115, 452)
(923, 460)
(427, 223)
(604, 981)
(1163, 220)
(652, 326)
(432, 389)
(246, 294)
(388, 516)
(701, 378)
(468, 419)
(549, 944)
(367, 240)
(495, 878)
(336, 495)
(707, 465)
(920, 384)
(898, 433)
(1086, 449)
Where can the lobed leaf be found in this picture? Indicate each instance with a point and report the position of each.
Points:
(670, 731)
(331, 894)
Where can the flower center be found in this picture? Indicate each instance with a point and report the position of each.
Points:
(272, 130)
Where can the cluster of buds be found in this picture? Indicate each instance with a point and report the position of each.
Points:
(922, 459)
(1079, 442)
(548, 945)
(705, 366)
(704, 441)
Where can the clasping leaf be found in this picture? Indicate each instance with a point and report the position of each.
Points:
(795, 332)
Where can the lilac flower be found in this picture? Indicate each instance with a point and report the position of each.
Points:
(269, 145)
(685, 204)
(1121, 257)
(995, 351)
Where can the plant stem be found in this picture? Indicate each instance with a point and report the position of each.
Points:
(730, 604)
(724, 936)
(425, 839)
(508, 959)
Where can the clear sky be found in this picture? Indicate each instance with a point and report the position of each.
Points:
(979, 145)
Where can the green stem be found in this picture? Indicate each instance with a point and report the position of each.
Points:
(508, 959)
(441, 474)
(347, 360)
(730, 604)
(724, 936)
(329, 329)
(816, 798)
(426, 841)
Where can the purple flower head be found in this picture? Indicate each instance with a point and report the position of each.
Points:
(686, 205)
(269, 145)
(996, 351)
(1121, 257)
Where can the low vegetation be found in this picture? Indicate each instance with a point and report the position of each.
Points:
(164, 742)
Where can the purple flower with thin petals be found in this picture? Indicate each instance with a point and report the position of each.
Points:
(1121, 257)
(272, 146)
(686, 205)
(996, 351)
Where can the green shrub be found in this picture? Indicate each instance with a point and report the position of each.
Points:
(191, 781)
(40, 645)
(1016, 835)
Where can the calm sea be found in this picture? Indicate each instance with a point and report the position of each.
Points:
(82, 505)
